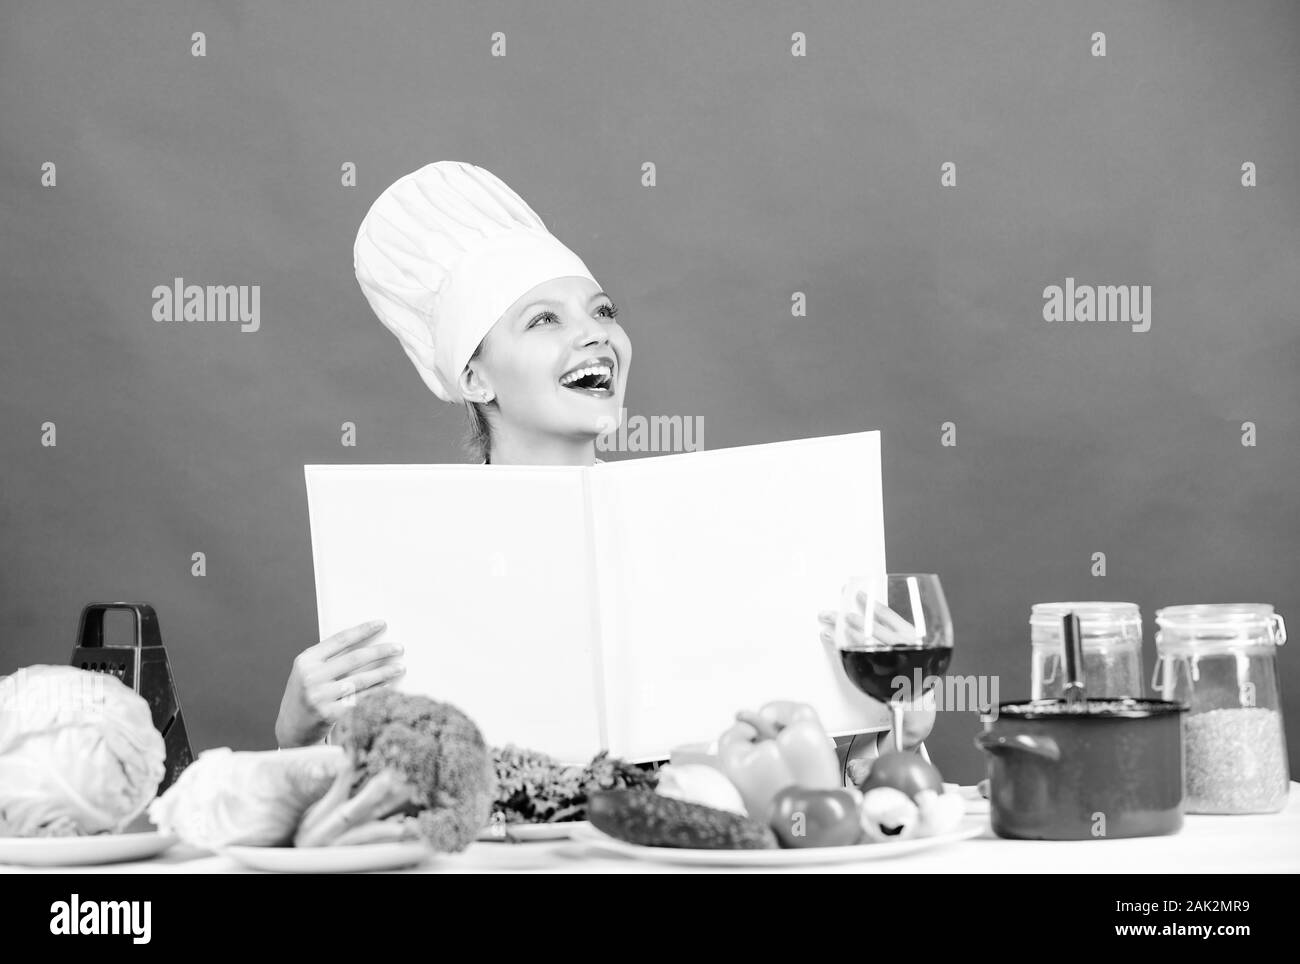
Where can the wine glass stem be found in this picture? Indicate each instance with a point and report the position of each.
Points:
(898, 709)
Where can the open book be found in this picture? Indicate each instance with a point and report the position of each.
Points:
(629, 606)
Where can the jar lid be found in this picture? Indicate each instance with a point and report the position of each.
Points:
(1094, 709)
(1221, 622)
(1097, 620)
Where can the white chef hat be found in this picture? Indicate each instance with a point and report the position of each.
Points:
(442, 254)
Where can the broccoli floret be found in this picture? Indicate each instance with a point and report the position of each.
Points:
(417, 767)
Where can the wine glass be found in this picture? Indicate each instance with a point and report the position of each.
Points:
(901, 650)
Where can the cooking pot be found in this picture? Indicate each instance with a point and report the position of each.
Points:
(1106, 768)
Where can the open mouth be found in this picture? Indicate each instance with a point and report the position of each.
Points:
(594, 379)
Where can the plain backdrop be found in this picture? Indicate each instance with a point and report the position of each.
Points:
(775, 174)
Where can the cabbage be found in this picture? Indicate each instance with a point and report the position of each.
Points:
(256, 799)
(79, 753)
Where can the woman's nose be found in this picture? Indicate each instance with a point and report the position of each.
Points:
(593, 334)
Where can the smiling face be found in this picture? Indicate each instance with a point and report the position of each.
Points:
(555, 363)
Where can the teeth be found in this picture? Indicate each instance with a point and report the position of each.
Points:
(573, 376)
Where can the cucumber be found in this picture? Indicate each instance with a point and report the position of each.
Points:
(646, 818)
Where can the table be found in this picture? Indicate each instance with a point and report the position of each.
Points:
(1207, 844)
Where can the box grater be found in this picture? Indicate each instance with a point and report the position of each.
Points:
(142, 665)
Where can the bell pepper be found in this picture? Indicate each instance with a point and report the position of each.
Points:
(805, 745)
(781, 745)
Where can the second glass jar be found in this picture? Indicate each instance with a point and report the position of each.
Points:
(1112, 648)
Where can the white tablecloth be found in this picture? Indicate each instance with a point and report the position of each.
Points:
(1206, 844)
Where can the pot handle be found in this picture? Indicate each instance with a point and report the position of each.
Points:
(1043, 746)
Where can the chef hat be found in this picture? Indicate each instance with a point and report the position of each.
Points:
(442, 254)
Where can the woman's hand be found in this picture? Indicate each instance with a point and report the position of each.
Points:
(918, 721)
(327, 677)
(887, 628)
(859, 755)
(863, 751)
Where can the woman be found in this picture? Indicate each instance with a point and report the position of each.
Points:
(497, 315)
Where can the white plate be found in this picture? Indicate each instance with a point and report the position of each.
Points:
(331, 860)
(100, 848)
(525, 832)
(592, 837)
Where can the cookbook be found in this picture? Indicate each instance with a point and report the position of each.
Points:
(630, 606)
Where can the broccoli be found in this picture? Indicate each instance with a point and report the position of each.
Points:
(418, 768)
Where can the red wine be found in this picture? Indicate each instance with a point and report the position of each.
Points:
(874, 670)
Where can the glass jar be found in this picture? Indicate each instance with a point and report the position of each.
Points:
(1221, 661)
(1112, 648)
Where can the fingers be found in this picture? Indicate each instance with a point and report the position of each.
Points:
(917, 725)
(341, 642)
(858, 639)
(886, 635)
(887, 628)
(348, 663)
(853, 620)
(895, 622)
(889, 741)
(852, 637)
(878, 608)
(886, 616)
(371, 678)
(859, 770)
(331, 697)
(330, 700)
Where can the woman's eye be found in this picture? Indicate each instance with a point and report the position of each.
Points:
(549, 317)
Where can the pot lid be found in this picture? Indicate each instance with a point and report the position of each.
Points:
(1091, 709)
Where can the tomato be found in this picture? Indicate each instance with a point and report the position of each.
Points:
(903, 771)
(815, 818)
